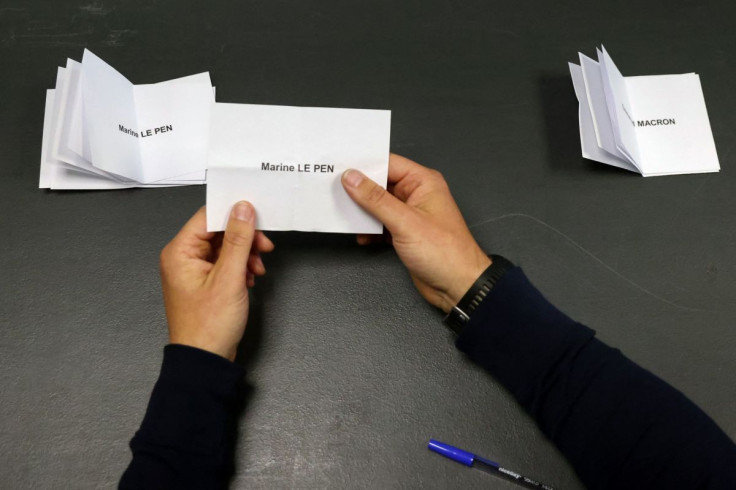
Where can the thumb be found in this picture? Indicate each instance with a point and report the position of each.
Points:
(236, 243)
(376, 200)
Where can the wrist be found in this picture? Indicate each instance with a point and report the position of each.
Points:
(466, 279)
(218, 348)
(463, 310)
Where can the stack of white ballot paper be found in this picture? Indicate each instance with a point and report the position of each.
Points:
(102, 132)
(288, 161)
(654, 125)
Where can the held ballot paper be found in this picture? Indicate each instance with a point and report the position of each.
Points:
(288, 161)
(653, 125)
(103, 132)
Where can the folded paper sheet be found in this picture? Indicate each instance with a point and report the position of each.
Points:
(288, 161)
(105, 133)
(654, 125)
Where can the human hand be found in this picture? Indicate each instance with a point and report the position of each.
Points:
(205, 278)
(427, 230)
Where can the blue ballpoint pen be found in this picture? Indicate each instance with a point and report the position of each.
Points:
(472, 460)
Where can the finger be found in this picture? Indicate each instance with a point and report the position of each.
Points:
(197, 226)
(255, 265)
(376, 200)
(406, 176)
(262, 243)
(236, 243)
(373, 239)
(250, 280)
(193, 238)
(399, 167)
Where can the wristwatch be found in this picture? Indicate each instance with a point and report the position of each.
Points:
(460, 314)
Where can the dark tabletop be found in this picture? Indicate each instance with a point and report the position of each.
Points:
(351, 372)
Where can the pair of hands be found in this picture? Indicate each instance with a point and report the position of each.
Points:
(206, 276)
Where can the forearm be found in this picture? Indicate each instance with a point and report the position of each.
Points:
(186, 438)
(619, 425)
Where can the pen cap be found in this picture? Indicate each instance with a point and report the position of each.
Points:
(451, 452)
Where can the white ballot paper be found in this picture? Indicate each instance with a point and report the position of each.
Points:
(287, 161)
(653, 125)
(145, 133)
(103, 132)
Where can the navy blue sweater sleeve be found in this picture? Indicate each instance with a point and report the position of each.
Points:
(619, 425)
(187, 435)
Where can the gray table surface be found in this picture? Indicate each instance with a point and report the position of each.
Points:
(351, 371)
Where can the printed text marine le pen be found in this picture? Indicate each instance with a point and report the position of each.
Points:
(146, 132)
(301, 167)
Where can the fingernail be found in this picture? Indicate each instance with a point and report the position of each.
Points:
(243, 211)
(352, 177)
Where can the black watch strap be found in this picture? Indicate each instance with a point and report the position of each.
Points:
(460, 314)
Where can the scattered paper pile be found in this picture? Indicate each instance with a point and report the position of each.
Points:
(102, 132)
(654, 125)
